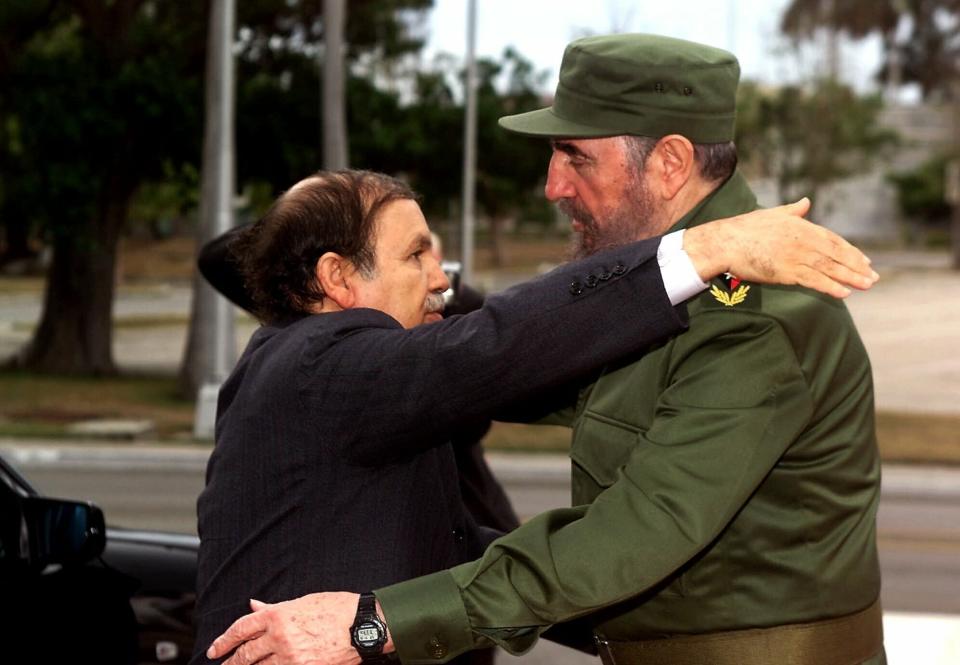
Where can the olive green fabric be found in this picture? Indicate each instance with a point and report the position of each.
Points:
(728, 479)
(645, 85)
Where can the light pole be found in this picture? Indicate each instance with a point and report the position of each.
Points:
(333, 111)
(216, 351)
(469, 145)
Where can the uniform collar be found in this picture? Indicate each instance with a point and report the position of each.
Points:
(731, 198)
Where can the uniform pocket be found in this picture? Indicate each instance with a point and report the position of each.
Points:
(601, 446)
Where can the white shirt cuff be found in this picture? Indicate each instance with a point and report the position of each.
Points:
(680, 278)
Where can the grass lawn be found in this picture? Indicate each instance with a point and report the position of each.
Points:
(43, 406)
(37, 405)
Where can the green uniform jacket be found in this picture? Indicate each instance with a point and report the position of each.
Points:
(727, 479)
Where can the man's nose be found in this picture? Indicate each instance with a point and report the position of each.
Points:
(558, 184)
(438, 279)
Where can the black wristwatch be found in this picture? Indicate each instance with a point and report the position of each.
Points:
(368, 634)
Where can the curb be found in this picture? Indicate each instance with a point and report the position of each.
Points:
(935, 483)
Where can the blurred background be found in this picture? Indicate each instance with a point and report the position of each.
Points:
(133, 130)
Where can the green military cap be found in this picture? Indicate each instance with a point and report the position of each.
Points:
(644, 85)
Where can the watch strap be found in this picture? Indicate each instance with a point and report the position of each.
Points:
(367, 611)
(367, 604)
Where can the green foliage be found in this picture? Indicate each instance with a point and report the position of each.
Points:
(919, 37)
(159, 205)
(430, 138)
(808, 136)
(98, 106)
(921, 192)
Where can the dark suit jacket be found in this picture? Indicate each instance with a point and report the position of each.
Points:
(483, 496)
(332, 468)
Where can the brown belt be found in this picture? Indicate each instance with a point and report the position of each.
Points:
(847, 640)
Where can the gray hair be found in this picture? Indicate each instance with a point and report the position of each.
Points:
(717, 161)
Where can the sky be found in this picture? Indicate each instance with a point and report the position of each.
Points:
(540, 29)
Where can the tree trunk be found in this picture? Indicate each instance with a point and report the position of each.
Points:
(17, 242)
(75, 334)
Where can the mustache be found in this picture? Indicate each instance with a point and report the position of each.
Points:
(434, 302)
(575, 211)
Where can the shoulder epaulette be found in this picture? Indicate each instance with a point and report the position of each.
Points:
(729, 291)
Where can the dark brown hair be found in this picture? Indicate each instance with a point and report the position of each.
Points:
(331, 211)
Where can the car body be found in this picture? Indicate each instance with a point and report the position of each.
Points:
(75, 591)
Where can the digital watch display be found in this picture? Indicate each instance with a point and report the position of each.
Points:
(368, 634)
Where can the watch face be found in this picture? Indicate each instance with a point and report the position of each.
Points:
(367, 634)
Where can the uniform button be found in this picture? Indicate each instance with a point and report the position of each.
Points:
(576, 288)
(458, 534)
(687, 91)
(619, 269)
(591, 281)
(436, 648)
(605, 275)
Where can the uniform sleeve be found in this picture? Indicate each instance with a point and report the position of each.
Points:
(736, 398)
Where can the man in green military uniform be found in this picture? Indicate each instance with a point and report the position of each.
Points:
(725, 484)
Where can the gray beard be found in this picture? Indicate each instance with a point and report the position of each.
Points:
(629, 222)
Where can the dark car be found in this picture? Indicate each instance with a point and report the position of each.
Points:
(74, 591)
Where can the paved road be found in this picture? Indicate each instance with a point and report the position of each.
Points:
(919, 525)
(919, 520)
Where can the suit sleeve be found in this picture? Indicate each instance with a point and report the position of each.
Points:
(401, 391)
(735, 401)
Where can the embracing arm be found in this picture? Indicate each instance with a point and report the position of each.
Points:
(645, 525)
(569, 562)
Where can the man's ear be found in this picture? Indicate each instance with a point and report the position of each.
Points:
(673, 163)
(332, 272)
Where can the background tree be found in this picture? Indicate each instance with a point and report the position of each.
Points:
(106, 95)
(427, 142)
(19, 21)
(107, 111)
(510, 168)
(279, 123)
(921, 44)
(807, 136)
(921, 38)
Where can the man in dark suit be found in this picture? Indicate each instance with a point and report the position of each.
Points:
(332, 431)
(483, 496)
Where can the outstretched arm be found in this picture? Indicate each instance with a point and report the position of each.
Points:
(778, 246)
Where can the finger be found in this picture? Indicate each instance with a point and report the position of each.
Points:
(245, 628)
(842, 252)
(257, 605)
(843, 274)
(248, 653)
(798, 208)
(814, 279)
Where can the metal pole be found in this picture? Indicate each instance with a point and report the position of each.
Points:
(225, 355)
(215, 314)
(469, 145)
(334, 112)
